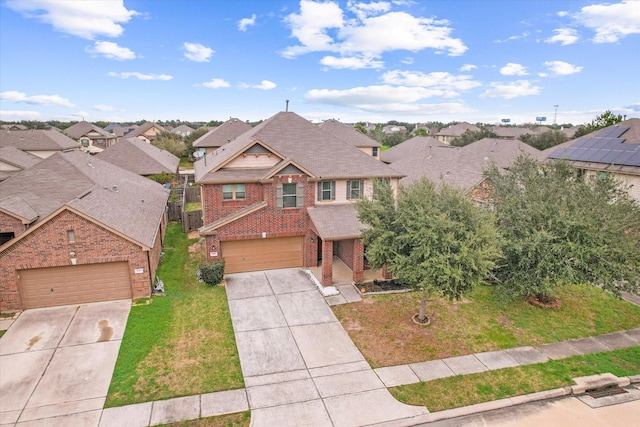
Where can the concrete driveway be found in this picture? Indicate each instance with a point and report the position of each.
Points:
(300, 366)
(56, 363)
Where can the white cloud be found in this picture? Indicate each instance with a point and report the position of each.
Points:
(103, 107)
(15, 96)
(511, 90)
(216, 84)
(385, 98)
(264, 85)
(516, 37)
(111, 50)
(197, 52)
(81, 114)
(86, 19)
(468, 67)
(562, 13)
(611, 22)
(561, 68)
(447, 83)
(244, 23)
(354, 63)
(408, 60)
(564, 36)
(141, 76)
(324, 27)
(512, 69)
(11, 116)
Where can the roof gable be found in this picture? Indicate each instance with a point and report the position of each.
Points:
(139, 157)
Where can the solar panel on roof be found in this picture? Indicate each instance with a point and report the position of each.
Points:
(611, 155)
(612, 131)
(633, 160)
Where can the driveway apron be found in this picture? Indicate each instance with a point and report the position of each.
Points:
(56, 363)
(299, 364)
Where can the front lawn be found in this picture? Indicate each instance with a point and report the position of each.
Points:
(381, 325)
(464, 390)
(181, 344)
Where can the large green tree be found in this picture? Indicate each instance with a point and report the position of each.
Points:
(560, 227)
(544, 140)
(470, 136)
(434, 240)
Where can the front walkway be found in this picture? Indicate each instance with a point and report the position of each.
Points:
(342, 275)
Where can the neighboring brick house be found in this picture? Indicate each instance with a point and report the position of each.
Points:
(41, 143)
(76, 229)
(450, 133)
(147, 132)
(460, 167)
(282, 195)
(352, 136)
(182, 130)
(613, 150)
(90, 137)
(135, 155)
(220, 135)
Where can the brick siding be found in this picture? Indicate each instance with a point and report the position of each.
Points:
(48, 246)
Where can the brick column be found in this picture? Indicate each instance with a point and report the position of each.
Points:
(327, 262)
(358, 261)
(385, 273)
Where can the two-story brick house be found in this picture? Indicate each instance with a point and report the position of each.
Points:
(282, 195)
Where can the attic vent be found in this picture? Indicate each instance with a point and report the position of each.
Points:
(114, 188)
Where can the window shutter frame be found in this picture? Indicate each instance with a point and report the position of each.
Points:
(299, 195)
(320, 191)
(279, 197)
(333, 190)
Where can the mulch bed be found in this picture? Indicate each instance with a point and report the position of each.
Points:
(381, 286)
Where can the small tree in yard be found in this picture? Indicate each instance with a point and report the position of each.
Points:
(560, 227)
(436, 241)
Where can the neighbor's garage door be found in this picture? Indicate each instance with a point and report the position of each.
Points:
(262, 254)
(74, 284)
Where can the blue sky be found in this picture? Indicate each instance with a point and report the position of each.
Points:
(413, 61)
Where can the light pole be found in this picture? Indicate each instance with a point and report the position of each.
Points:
(555, 114)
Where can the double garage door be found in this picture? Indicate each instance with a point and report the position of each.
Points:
(262, 254)
(74, 284)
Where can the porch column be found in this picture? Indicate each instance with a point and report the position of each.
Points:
(358, 261)
(327, 262)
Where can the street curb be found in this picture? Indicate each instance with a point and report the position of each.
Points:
(496, 404)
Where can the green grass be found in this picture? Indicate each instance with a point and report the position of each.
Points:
(193, 206)
(181, 344)
(2, 333)
(382, 329)
(464, 390)
(241, 419)
(185, 163)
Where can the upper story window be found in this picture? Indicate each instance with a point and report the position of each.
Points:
(326, 190)
(374, 151)
(290, 195)
(71, 236)
(354, 189)
(233, 192)
(85, 142)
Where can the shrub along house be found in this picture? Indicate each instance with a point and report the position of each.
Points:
(78, 229)
(282, 195)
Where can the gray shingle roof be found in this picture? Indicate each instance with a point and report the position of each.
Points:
(119, 199)
(458, 129)
(297, 139)
(222, 134)
(82, 128)
(462, 167)
(334, 222)
(37, 140)
(17, 207)
(143, 128)
(137, 156)
(416, 146)
(17, 158)
(348, 134)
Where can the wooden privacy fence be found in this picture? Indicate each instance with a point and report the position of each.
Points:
(177, 203)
